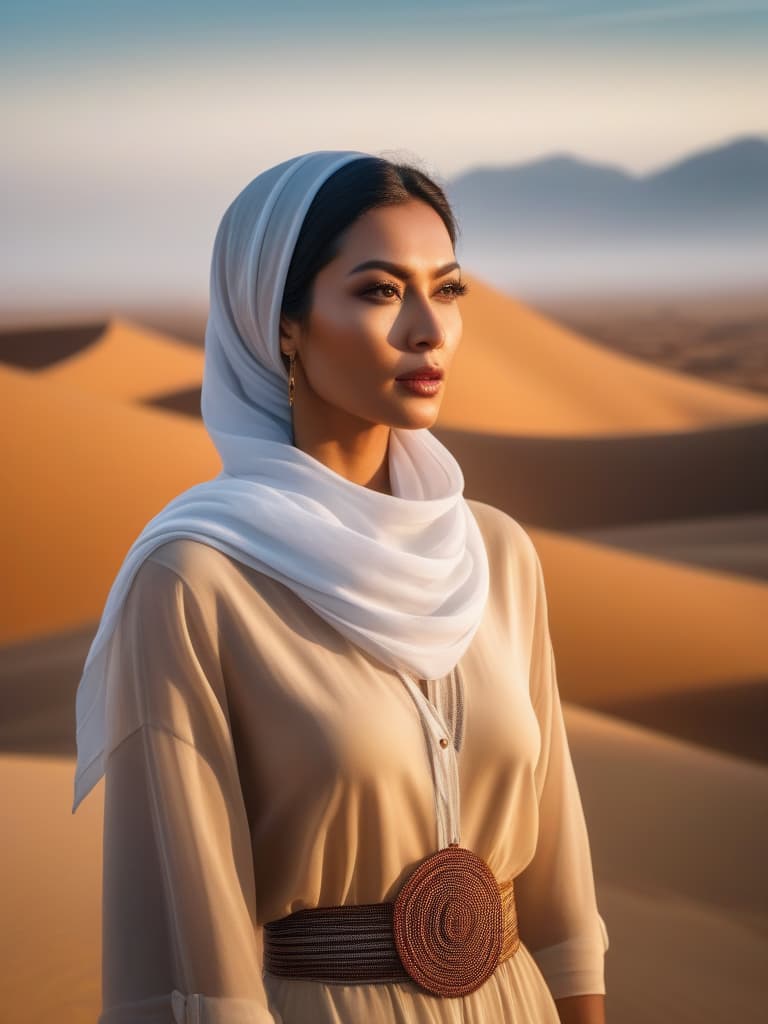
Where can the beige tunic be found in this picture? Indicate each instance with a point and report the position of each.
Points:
(259, 763)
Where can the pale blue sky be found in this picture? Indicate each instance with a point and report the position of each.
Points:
(57, 25)
(127, 127)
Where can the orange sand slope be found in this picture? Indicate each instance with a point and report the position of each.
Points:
(130, 362)
(725, 543)
(50, 949)
(518, 372)
(679, 862)
(82, 476)
(625, 624)
(679, 845)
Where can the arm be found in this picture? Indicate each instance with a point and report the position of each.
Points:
(588, 1009)
(180, 938)
(558, 915)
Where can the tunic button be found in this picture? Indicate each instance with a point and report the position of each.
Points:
(443, 741)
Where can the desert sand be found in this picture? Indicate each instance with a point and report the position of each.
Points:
(88, 471)
(129, 362)
(737, 543)
(549, 381)
(679, 849)
(645, 467)
(717, 335)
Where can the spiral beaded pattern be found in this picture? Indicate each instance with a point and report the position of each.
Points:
(448, 922)
(357, 944)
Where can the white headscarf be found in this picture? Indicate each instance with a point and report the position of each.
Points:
(402, 575)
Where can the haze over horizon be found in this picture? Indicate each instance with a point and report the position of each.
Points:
(127, 131)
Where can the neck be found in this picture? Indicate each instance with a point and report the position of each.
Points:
(353, 448)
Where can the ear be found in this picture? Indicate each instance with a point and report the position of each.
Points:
(288, 333)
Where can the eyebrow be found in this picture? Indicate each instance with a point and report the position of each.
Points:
(397, 270)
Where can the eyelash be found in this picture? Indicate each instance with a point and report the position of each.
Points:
(455, 288)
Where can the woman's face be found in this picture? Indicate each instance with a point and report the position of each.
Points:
(385, 306)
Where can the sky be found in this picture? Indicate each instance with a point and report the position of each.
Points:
(127, 128)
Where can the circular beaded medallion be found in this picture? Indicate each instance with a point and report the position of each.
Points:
(448, 922)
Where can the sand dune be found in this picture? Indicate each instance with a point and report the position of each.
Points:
(38, 682)
(651, 825)
(730, 717)
(684, 912)
(519, 372)
(736, 544)
(677, 960)
(576, 483)
(718, 335)
(679, 845)
(627, 625)
(50, 949)
(129, 362)
(83, 475)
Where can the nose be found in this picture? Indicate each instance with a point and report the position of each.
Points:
(425, 328)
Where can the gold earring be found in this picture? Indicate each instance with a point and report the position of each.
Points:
(291, 379)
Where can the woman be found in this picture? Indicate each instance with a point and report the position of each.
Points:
(324, 679)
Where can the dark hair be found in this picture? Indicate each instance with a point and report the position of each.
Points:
(355, 188)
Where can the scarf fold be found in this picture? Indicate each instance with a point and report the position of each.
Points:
(403, 576)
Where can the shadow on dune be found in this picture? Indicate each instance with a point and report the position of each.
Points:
(733, 544)
(40, 347)
(581, 483)
(730, 718)
(565, 483)
(38, 682)
(186, 402)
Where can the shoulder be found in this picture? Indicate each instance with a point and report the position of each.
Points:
(191, 560)
(516, 578)
(503, 534)
(207, 576)
(517, 592)
(180, 573)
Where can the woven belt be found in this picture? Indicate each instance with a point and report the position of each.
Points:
(449, 927)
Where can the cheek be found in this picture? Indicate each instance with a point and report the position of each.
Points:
(454, 329)
(349, 346)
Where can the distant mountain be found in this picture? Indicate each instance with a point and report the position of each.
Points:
(563, 217)
(736, 173)
(545, 195)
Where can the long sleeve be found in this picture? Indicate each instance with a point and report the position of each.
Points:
(558, 914)
(180, 938)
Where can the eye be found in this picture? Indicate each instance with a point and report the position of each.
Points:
(453, 289)
(385, 289)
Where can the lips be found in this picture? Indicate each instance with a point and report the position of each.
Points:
(424, 373)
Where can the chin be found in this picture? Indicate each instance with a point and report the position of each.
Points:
(418, 420)
(404, 413)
